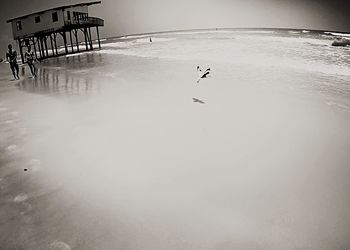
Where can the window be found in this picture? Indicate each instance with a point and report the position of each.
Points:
(37, 19)
(19, 25)
(68, 15)
(54, 17)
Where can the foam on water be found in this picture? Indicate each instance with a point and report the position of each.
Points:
(338, 34)
(133, 37)
(155, 39)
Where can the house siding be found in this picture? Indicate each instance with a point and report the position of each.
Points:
(29, 26)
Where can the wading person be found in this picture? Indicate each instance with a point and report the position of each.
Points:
(29, 55)
(11, 57)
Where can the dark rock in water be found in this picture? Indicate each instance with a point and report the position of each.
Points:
(341, 42)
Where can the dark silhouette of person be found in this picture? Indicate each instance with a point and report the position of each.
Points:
(11, 57)
(29, 56)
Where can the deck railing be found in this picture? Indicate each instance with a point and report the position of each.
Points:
(90, 21)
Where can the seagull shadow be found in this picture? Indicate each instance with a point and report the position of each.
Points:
(198, 101)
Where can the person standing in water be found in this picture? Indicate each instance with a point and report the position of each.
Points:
(29, 56)
(11, 57)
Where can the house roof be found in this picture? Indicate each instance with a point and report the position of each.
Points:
(56, 8)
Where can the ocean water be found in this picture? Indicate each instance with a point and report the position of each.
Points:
(291, 51)
(107, 150)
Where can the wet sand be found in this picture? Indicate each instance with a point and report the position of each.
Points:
(118, 156)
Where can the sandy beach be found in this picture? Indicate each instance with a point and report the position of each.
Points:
(107, 150)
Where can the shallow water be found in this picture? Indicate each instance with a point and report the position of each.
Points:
(118, 156)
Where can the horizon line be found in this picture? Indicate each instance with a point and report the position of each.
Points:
(224, 28)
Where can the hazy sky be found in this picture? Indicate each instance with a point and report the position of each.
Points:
(138, 16)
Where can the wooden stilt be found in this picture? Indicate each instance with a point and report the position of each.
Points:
(86, 42)
(55, 39)
(90, 39)
(33, 41)
(39, 47)
(98, 37)
(76, 38)
(71, 41)
(42, 47)
(65, 41)
(51, 42)
(46, 48)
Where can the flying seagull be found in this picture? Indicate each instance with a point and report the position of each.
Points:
(197, 100)
(202, 74)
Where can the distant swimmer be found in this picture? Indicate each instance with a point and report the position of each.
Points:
(203, 74)
(29, 55)
(198, 101)
(11, 57)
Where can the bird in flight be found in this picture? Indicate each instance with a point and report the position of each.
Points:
(198, 101)
(203, 74)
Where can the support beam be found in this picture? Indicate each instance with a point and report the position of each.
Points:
(71, 41)
(46, 48)
(65, 41)
(98, 37)
(86, 42)
(39, 47)
(90, 39)
(42, 47)
(77, 39)
(51, 42)
(55, 40)
(33, 41)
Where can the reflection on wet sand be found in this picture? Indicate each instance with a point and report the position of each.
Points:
(57, 80)
(53, 81)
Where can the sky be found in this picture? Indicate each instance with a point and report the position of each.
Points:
(141, 16)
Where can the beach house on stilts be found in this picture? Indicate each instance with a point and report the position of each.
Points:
(47, 30)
